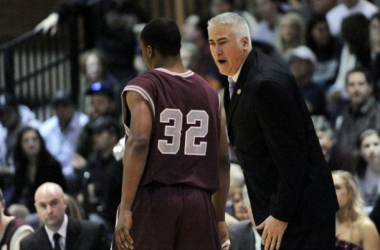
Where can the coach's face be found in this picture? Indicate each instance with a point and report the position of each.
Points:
(228, 50)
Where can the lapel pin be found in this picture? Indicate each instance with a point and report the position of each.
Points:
(238, 91)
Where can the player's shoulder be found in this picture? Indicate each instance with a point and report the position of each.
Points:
(146, 77)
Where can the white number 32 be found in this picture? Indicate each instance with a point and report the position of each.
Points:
(175, 131)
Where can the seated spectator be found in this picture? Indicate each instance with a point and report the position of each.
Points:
(354, 230)
(355, 54)
(59, 231)
(374, 39)
(368, 168)
(13, 118)
(34, 165)
(240, 211)
(61, 133)
(73, 209)
(18, 211)
(335, 157)
(302, 61)
(12, 229)
(321, 7)
(243, 234)
(326, 48)
(102, 103)
(94, 68)
(103, 174)
(346, 8)
(270, 15)
(362, 113)
(290, 34)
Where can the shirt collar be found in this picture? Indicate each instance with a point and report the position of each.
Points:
(62, 230)
(236, 76)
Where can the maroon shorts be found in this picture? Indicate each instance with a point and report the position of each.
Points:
(173, 218)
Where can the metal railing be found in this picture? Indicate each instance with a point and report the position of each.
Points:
(34, 66)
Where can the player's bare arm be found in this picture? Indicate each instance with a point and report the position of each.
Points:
(136, 151)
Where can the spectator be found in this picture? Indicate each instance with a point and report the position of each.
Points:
(102, 103)
(335, 157)
(13, 118)
(61, 133)
(189, 55)
(12, 229)
(240, 210)
(326, 48)
(322, 7)
(302, 61)
(290, 34)
(243, 234)
(205, 65)
(59, 231)
(102, 182)
(355, 53)
(354, 230)
(34, 166)
(346, 8)
(362, 113)
(368, 168)
(73, 209)
(374, 39)
(268, 12)
(108, 26)
(94, 68)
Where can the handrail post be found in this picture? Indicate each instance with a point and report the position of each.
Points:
(9, 70)
(74, 56)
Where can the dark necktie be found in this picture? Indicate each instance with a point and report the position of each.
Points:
(231, 85)
(56, 237)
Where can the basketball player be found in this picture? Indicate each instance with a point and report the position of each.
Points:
(176, 169)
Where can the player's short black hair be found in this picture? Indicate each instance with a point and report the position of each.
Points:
(163, 35)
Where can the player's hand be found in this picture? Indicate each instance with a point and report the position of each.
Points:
(49, 23)
(274, 229)
(122, 237)
(223, 234)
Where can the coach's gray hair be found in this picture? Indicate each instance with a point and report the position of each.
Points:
(239, 24)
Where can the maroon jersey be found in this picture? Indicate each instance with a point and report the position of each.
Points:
(184, 146)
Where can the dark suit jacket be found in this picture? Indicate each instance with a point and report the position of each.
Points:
(81, 235)
(272, 133)
(242, 236)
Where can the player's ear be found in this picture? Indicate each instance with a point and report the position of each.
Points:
(150, 51)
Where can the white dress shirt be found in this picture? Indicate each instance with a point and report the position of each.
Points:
(61, 231)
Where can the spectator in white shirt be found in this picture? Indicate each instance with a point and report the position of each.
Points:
(61, 133)
(348, 7)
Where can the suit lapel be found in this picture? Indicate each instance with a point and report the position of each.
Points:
(73, 235)
(42, 237)
(238, 92)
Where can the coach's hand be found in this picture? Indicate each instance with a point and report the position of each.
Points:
(122, 237)
(273, 231)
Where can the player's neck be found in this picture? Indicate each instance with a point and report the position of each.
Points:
(173, 64)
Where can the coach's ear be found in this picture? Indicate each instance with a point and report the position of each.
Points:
(245, 43)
